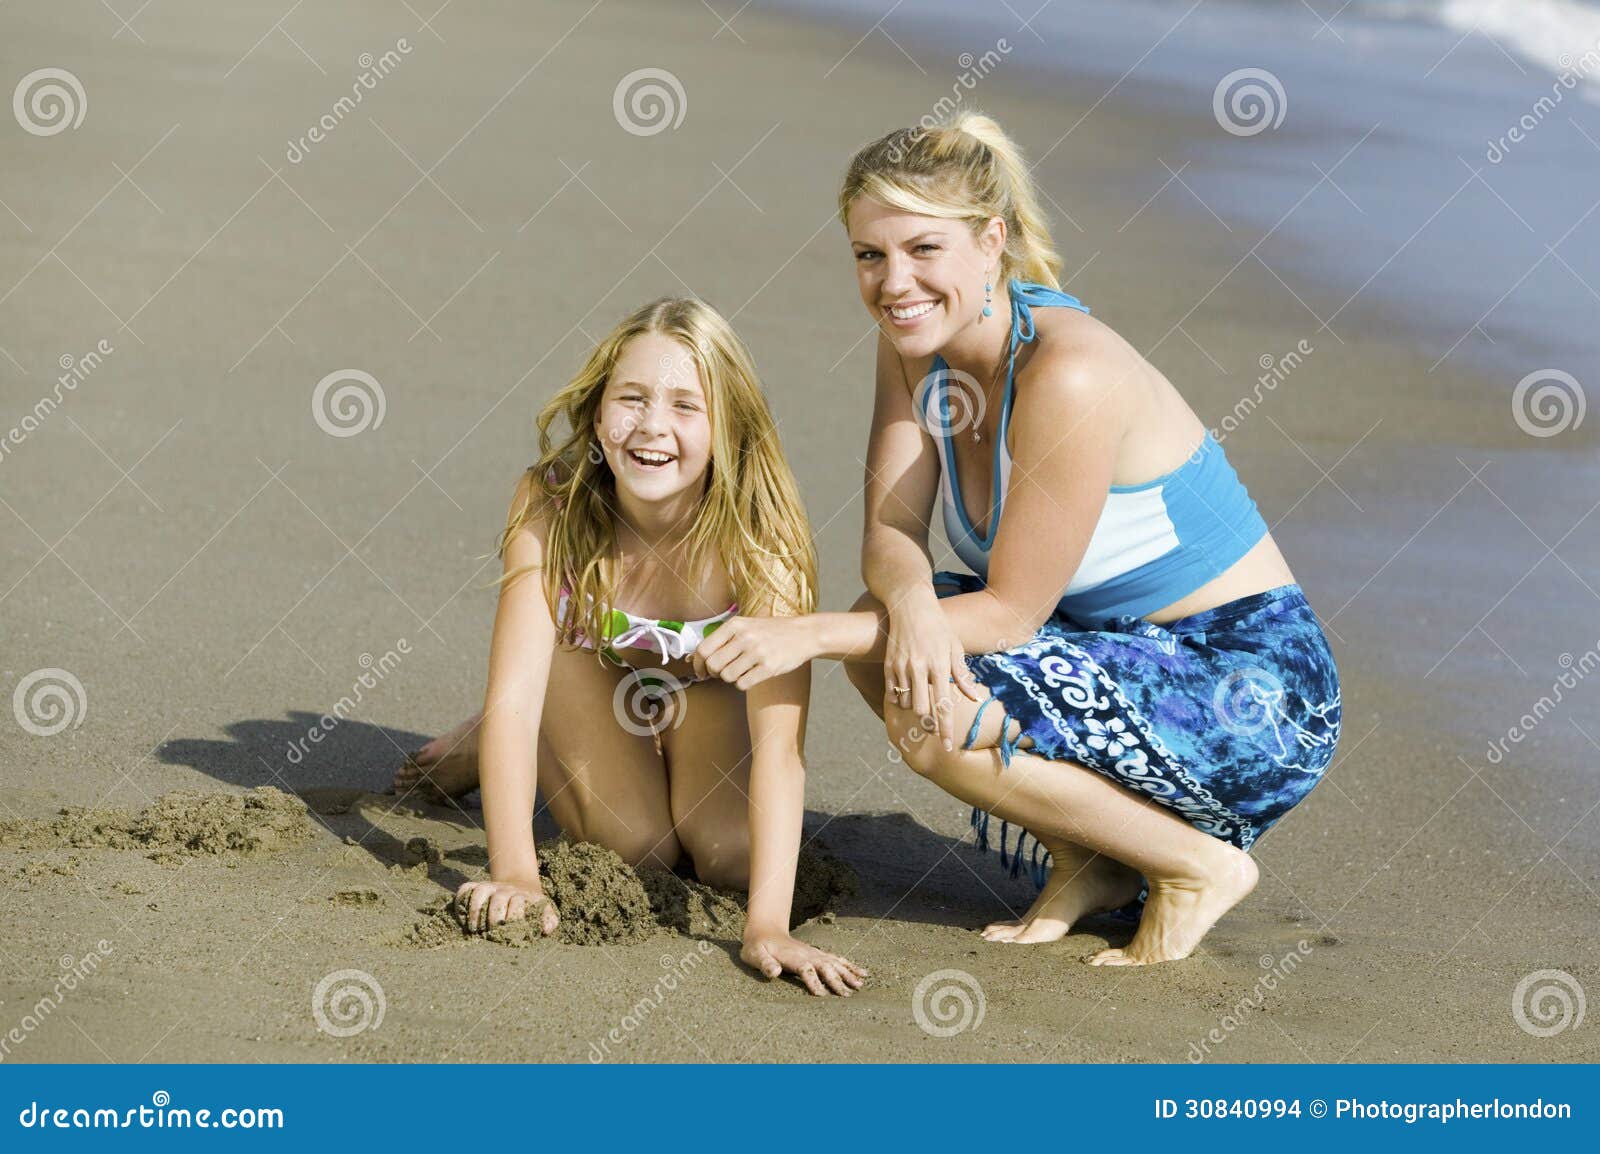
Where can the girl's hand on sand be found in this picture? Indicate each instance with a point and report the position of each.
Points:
(482, 905)
(921, 658)
(819, 971)
(745, 651)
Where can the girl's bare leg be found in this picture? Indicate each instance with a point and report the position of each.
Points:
(1194, 878)
(444, 768)
(708, 772)
(600, 782)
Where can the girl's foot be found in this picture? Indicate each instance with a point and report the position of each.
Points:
(1180, 911)
(445, 768)
(1080, 883)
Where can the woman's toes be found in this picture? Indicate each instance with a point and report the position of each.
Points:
(1002, 931)
(1114, 957)
(1041, 930)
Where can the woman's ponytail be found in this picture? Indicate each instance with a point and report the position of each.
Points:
(965, 169)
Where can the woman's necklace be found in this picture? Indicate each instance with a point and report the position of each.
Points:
(977, 426)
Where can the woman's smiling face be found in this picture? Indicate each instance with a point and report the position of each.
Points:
(653, 424)
(921, 277)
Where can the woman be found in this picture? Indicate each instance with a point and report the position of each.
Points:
(1165, 693)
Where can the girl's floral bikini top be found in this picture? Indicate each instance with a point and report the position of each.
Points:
(670, 640)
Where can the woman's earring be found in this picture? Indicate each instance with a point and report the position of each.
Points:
(988, 309)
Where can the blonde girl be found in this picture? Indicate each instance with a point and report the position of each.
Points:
(1129, 679)
(660, 506)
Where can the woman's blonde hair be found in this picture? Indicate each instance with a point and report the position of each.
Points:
(750, 517)
(965, 169)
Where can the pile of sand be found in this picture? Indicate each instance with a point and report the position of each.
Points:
(602, 899)
(262, 821)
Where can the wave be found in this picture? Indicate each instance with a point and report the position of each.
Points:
(1556, 35)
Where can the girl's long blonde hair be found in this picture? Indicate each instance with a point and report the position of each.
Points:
(750, 517)
(965, 169)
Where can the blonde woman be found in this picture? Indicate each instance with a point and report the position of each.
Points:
(660, 506)
(1131, 672)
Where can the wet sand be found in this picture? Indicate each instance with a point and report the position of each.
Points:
(251, 570)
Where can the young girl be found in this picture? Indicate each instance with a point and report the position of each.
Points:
(663, 507)
(1140, 683)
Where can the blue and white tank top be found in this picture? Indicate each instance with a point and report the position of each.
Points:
(1155, 543)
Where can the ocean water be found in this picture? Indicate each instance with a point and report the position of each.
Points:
(1438, 157)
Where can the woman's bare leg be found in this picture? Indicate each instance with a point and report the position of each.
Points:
(1081, 881)
(1193, 878)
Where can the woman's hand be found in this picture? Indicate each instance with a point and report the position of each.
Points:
(745, 651)
(922, 656)
(482, 905)
(819, 971)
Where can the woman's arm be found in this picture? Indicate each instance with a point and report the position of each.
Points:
(1069, 416)
(902, 480)
(776, 709)
(1060, 476)
(519, 668)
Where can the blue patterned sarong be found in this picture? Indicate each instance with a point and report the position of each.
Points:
(1228, 717)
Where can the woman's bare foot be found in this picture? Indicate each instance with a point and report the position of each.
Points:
(445, 768)
(1180, 911)
(1080, 883)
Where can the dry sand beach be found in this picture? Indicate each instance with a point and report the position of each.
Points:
(204, 563)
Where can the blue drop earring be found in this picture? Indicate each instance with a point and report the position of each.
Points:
(988, 308)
